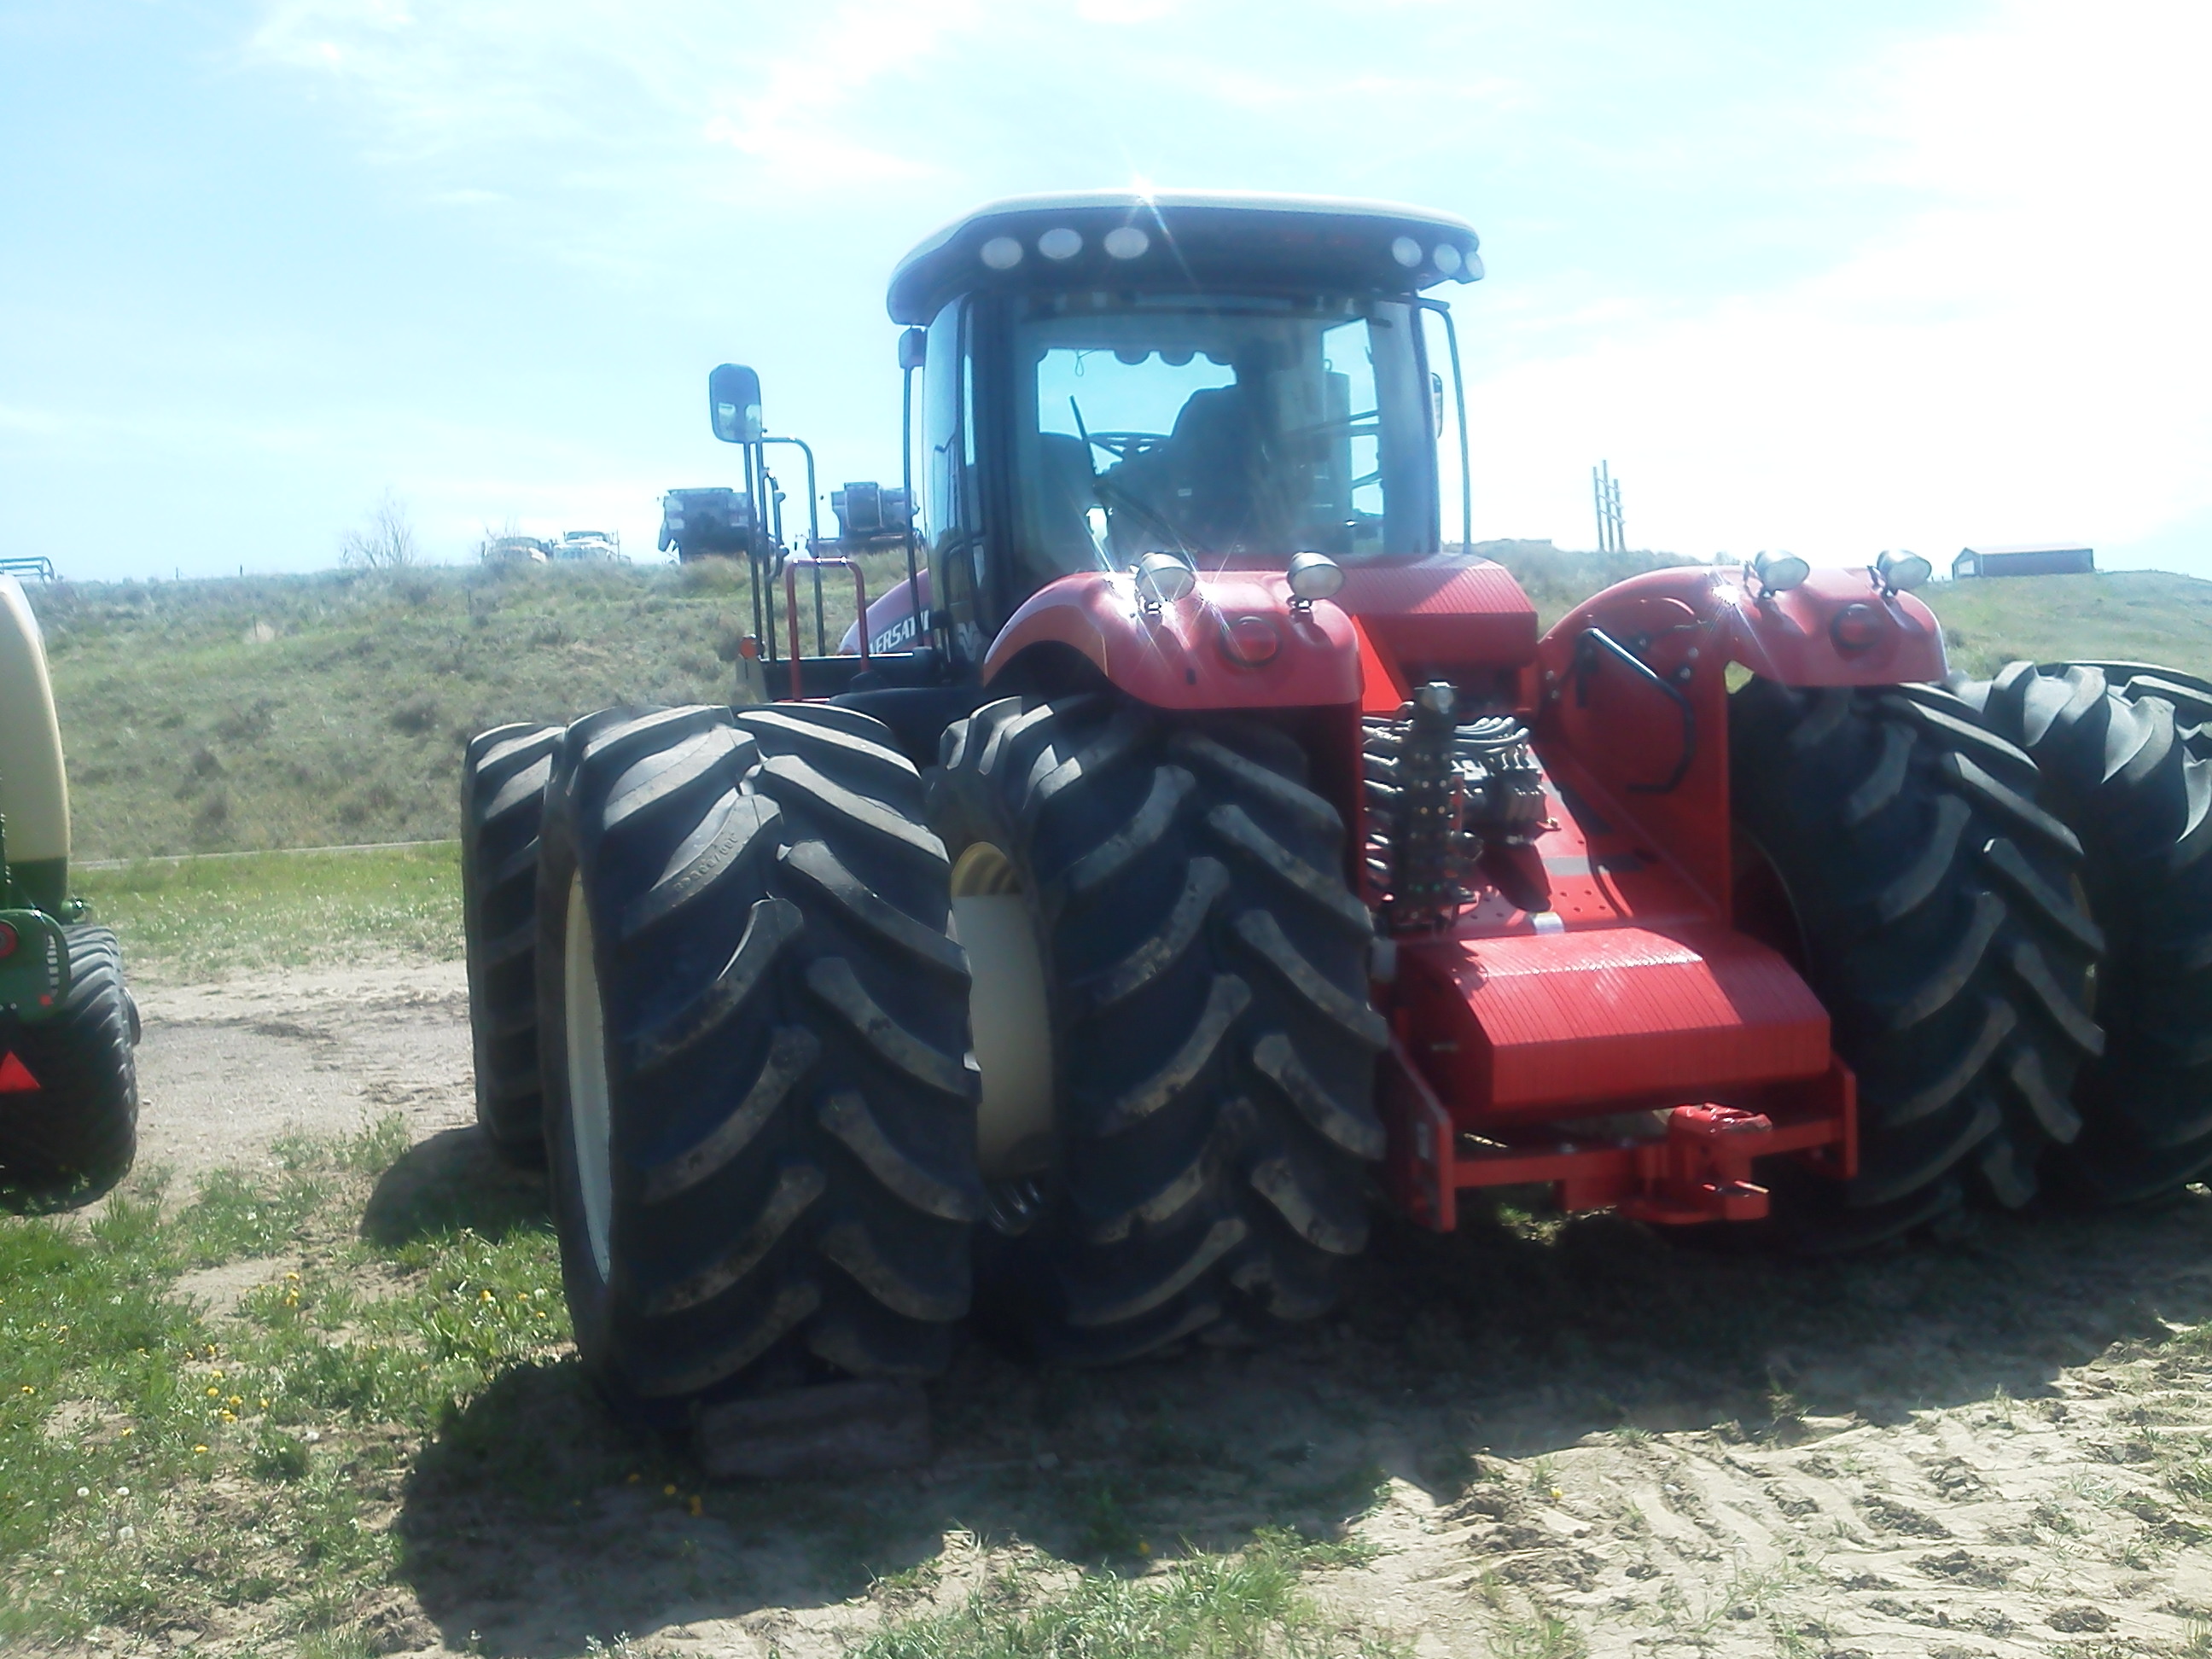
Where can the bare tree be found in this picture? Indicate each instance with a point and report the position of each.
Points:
(386, 540)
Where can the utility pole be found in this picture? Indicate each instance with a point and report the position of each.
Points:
(1605, 493)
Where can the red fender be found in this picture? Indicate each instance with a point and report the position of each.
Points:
(891, 618)
(1234, 642)
(1606, 730)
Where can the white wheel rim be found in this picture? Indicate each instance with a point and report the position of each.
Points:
(591, 1123)
(1007, 1014)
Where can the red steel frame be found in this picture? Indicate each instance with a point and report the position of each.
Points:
(1631, 1045)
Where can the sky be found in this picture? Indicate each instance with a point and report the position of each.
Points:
(1828, 278)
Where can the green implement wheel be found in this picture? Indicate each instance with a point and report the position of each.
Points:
(72, 1136)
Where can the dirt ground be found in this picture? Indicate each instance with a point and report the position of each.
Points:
(1557, 1438)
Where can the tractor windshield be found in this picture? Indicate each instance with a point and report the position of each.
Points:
(1237, 431)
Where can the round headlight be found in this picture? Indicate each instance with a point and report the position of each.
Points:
(1127, 242)
(1445, 258)
(1061, 243)
(1000, 253)
(1779, 573)
(1314, 576)
(1250, 642)
(1406, 252)
(1161, 579)
(1903, 570)
(1858, 626)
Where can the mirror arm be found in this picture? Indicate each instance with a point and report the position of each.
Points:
(1459, 397)
(813, 493)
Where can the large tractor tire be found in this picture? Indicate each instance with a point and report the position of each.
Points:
(2114, 745)
(72, 1138)
(1183, 1154)
(503, 778)
(752, 1025)
(1894, 847)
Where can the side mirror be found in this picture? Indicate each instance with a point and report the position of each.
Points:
(914, 346)
(733, 403)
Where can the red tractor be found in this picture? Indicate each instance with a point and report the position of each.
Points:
(1219, 850)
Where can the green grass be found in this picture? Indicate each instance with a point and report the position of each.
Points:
(160, 1469)
(199, 918)
(2127, 616)
(1249, 1605)
(393, 1409)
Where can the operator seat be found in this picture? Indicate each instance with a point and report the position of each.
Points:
(1202, 481)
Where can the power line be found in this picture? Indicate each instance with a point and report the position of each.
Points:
(1604, 492)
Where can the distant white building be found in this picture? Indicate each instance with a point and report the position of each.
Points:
(2055, 559)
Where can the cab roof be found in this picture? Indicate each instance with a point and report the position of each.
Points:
(1184, 240)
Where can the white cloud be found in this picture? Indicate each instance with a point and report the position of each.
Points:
(2027, 357)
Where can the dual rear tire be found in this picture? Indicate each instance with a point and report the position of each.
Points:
(1895, 849)
(2127, 760)
(751, 1030)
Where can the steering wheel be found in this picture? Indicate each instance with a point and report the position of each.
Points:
(1125, 446)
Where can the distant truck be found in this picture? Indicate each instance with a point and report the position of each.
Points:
(2055, 559)
(870, 515)
(697, 523)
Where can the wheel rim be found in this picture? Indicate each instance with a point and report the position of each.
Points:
(591, 1130)
(1008, 1014)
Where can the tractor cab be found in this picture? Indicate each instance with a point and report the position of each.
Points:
(1231, 379)
(1222, 382)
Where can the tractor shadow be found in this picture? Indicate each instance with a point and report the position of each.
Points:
(535, 1524)
(451, 1181)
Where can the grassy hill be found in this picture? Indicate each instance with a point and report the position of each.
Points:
(314, 710)
(291, 711)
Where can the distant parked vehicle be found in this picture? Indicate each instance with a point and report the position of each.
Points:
(513, 550)
(870, 515)
(588, 544)
(703, 521)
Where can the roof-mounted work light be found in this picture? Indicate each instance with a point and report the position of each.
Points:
(1779, 573)
(1161, 579)
(1312, 577)
(1902, 572)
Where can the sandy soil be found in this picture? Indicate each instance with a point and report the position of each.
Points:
(225, 1069)
(1562, 1439)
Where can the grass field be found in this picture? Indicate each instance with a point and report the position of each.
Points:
(198, 918)
(328, 709)
(330, 1409)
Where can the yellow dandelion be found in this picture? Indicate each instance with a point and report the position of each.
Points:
(695, 1503)
(197, 1449)
(668, 1491)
